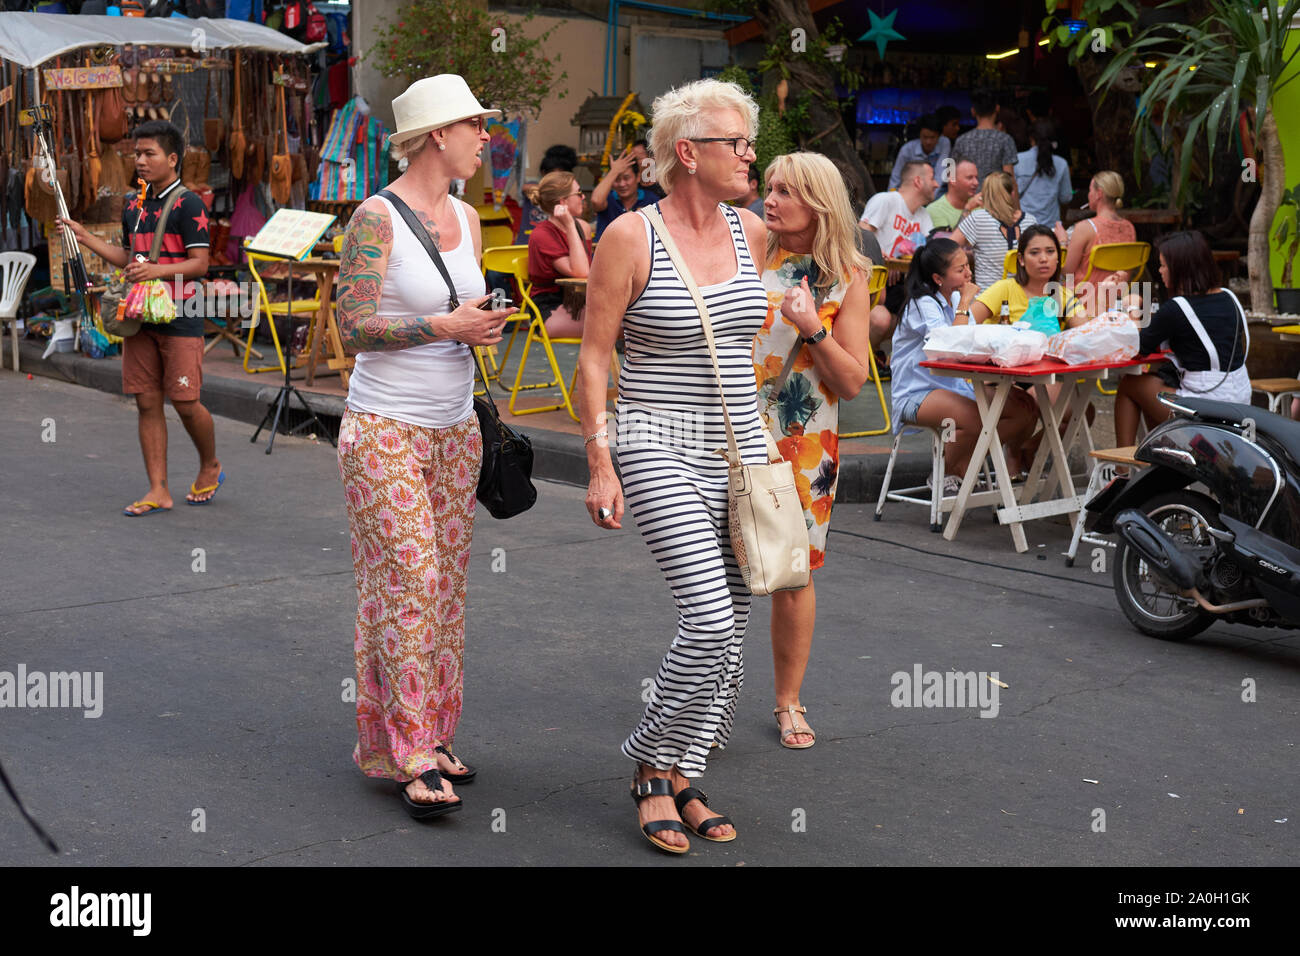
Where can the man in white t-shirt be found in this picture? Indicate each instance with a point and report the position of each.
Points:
(898, 216)
(898, 219)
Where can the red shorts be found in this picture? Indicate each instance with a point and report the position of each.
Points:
(171, 364)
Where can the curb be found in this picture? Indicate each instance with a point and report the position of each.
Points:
(557, 456)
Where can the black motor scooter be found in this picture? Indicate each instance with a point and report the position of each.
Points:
(1185, 559)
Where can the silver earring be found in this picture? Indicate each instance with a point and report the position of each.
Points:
(441, 146)
(690, 170)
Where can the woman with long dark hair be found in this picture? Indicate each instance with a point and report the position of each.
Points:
(1034, 293)
(1203, 325)
(940, 271)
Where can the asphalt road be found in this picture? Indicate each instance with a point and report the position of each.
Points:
(224, 738)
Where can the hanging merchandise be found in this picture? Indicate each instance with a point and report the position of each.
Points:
(281, 164)
(504, 149)
(338, 166)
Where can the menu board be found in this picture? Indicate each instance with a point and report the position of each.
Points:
(291, 233)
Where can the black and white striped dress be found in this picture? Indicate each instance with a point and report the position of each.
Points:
(670, 428)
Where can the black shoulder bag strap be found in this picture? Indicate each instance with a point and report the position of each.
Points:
(422, 234)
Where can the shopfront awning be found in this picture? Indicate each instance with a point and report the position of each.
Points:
(30, 39)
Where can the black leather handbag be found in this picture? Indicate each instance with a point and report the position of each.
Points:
(505, 484)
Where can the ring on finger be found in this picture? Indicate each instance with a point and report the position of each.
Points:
(604, 514)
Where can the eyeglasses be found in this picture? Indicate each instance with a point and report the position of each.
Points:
(476, 122)
(739, 143)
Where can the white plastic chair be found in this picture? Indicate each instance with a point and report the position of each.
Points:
(938, 503)
(15, 270)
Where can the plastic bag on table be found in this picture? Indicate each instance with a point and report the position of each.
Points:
(1015, 345)
(950, 343)
(1111, 337)
(982, 344)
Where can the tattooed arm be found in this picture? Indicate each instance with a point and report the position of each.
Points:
(361, 284)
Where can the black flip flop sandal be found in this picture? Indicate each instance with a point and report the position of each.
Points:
(658, 787)
(426, 811)
(684, 797)
(456, 778)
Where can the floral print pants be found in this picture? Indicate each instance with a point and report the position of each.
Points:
(410, 497)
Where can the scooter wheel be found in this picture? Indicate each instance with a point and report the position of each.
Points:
(1147, 600)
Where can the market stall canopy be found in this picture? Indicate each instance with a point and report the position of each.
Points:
(29, 39)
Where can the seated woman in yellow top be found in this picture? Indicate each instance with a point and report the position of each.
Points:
(1038, 277)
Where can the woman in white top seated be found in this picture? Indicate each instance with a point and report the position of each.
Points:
(993, 230)
(409, 443)
(1203, 326)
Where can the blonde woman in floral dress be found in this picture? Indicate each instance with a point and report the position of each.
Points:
(817, 291)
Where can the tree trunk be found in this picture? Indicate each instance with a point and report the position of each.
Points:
(1272, 176)
(829, 136)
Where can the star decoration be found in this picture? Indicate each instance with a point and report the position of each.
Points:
(882, 31)
(202, 220)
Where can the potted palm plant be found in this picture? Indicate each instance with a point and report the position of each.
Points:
(1287, 238)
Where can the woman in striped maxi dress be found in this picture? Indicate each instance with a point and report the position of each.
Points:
(670, 426)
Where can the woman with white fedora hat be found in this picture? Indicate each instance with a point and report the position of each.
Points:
(409, 443)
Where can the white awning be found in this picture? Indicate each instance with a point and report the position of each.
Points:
(30, 39)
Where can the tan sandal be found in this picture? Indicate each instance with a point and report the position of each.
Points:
(793, 710)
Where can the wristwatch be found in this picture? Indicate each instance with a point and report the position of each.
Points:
(814, 339)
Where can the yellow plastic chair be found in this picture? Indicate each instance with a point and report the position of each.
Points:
(1131, 257)
(879, 279)
(1114, 256)
(268, 309)
(512, 261)
(497, 234)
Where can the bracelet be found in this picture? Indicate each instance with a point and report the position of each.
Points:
(591, 438)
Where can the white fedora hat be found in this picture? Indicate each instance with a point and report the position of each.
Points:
(432, 103)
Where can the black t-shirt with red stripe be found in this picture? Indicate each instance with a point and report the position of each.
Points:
(187, 227)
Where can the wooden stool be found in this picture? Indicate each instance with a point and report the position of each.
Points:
(1276, 389)
(1103, 472)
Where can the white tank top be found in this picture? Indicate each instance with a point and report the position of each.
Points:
(429, 385)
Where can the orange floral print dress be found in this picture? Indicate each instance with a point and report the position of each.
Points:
(805, 417)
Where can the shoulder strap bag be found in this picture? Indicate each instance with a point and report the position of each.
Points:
(112, 303)
(768, 533)
(505, 484)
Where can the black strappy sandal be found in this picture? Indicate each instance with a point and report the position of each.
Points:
(426, 811)
(469, 774)
(658, 787)
(684, 797)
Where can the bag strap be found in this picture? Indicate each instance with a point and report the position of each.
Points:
(657, 222)
(422, 234)
(156, 246)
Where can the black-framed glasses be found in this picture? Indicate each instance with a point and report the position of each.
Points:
(735, 141)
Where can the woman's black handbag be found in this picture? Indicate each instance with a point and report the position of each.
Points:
(505, 484)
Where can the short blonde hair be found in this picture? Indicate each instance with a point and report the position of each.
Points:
(410, 148)
(680, 114)
(999, 188)
(1111, 185)
(816, 182)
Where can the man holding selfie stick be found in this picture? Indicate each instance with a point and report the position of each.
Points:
(164, 361)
